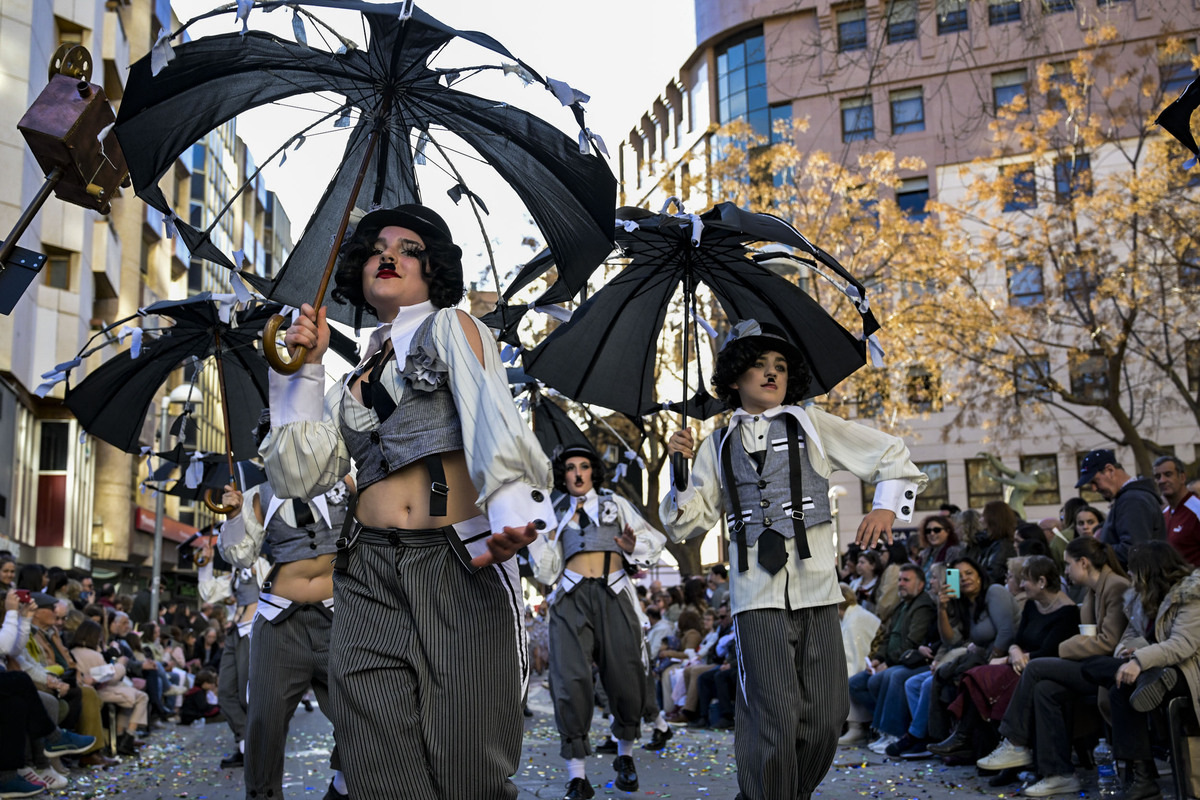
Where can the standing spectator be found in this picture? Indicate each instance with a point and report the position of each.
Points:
(106, 595)
(87, 592)
(1182, 514)
(32, 577)
(139, 613)
(1135, 514)
(718, 581)
(993, 551)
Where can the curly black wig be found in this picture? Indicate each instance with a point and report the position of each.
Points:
(739, 356)
(441, 265)
(599, 471)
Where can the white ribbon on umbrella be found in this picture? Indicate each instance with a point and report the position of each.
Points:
(162, 53)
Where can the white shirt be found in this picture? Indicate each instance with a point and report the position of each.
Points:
(870, 455)
(548, 568)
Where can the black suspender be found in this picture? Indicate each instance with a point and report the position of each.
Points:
(797, 488)
(735, 503)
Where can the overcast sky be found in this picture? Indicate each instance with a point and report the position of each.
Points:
(621, 52)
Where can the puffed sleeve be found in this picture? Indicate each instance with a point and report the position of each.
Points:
(650, 542)
(506, 461)
(241, 537)
(304, 454)
(697, 509)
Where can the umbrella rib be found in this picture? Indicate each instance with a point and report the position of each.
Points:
(487, 242)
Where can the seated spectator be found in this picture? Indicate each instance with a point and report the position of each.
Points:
(719, 624)
(135, 661)
(1062, 534)
(695, 595)
(1088, 521)
(1048, 619)
(859, 628)
(108, 682)
(717, 686)
(1050, 689)
(941, 544)
(674, 651)
(866, 584)
(1157, 659)
(200, 702)
(8, 573)
(206, 650)
(878, 690)
(1014, 581)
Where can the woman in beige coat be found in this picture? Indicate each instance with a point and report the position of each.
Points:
(131, 701)
(1158, 658)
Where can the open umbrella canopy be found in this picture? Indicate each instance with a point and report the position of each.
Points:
(111, 403)
(202, 472)
(389, 94)
(605, 353)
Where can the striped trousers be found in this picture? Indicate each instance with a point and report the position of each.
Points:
(232, 680)
(286, 656)
(429, 667)
(793, 698)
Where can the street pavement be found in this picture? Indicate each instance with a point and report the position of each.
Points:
(182, 762)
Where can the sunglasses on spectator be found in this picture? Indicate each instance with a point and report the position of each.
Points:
(935, 529)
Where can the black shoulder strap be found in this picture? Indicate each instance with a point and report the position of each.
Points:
(796, 475)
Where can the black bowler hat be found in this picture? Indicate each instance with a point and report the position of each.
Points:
(1092, 463)
(766, 335)
(418, 218)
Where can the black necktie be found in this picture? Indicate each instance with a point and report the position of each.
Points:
(304, 516)
(374, 394)
(772, 551)
(584, 520)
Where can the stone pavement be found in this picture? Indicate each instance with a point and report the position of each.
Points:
(182, 762)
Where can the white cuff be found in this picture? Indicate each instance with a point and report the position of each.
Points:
(299, 397)
(233, 531)
(515, 505)
(896, 495)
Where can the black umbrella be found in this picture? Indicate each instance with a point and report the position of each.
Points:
(604, 354)
(1176, 119)
(213, 474)
(112, 402)
(407, 112)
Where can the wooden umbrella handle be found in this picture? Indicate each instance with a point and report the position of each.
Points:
(276, 356)
(216, 507)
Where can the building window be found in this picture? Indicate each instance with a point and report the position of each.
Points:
(781, 122)
(1072, 177)
(1024, 189)
(1089, 375)
(1058, 6)
(57, 271)
(1175, 66)
(1045, 469)
(1060, 78)
(902, 21)
(852, 29)
(1107, 3)
(1078, 285)
(1030, 376)
(908, 111)
(981, 489)
(1006, 86)
(951, 16)
(1025, 286)
(923, 389)
(55, 444)
(937, 491)
(1003, 11)
(1189, 269)
(912, 197)
(742, 81)
(1191, 351)
(858, 119)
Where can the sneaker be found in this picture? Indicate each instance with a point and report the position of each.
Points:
(658, 740)
(69, 744)
(908, 746)
(881, 744)
(855, 734)
(1152, 686)
(1053, 784)
(48, 777)
(19, 787)
(1005, 756)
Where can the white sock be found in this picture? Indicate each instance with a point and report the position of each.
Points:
(576, 768)
(660, 724)
(624, 747)
(242, 746)
(339, 783)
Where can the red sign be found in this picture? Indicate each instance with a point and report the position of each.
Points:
(173, 529)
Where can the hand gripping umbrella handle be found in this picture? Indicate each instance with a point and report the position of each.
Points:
(679, 469)
(216, 507)
(275, 357)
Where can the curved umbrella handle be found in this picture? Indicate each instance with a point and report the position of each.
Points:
(278, 360)
(216, 507)
(679, 469)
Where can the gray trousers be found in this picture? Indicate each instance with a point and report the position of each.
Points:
(428, 669)
(286, 656)
(232, 679)
(793, 698)
(1041, 711)
(592, 625)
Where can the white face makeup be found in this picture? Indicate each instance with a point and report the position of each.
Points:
(764, 384)
(393, 276)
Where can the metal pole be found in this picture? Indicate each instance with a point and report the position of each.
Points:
(9, 244)
(160, 511)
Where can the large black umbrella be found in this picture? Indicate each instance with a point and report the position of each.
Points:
(112, 402)
(605, 353)
(1176, 119)
(405, 112)
(202, 472)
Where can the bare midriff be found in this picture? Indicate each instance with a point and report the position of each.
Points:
(590, 564)
(246, 614)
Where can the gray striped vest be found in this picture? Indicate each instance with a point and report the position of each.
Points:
(245, 587)
(425, 421)
(290, 544)
(598, 536)
(766, 499)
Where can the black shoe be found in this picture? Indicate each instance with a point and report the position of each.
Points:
(659, 739)
(1144, 785)
(607, 747)
(527, 711)
(626, 779)
(958, 742)
(908, 746)
(1152, 686)
(308, 706)
(579, 789)
(1005, 777)
(698, 722)
(238, 759)
(724, 724)
(333, 794)
(127, 745)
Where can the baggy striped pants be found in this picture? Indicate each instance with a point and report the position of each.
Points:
(232, 680)
(286, 656)
(590, 625)
(793, 697)
(428, 669)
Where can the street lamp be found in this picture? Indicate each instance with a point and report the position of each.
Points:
(183, 393)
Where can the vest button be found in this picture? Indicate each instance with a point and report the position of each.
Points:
(767, 521)
(762, 484)
(312, 534)
(374, 437)
(537, 496)
(765, 503)
(312, 546)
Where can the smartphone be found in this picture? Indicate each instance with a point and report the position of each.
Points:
(952, 582)
(23, 596)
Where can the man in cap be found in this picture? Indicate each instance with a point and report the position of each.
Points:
(1135, 514)
(594, 613)
(768, 473)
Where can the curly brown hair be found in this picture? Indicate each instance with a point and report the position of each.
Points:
(739, 356)
(441, 266)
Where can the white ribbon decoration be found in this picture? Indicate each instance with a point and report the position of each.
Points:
(298, 27)
(586, 137)
(709, 329)
(630, 225)
(162, 53)
(406, 11)
(519, 71)
(620, 471)
(239, 288)
(422, 142)
(195, 471)
(135, 342)
(876, 350)
(343, 120)
(558, 312)
(567, 95)
(508, 353)
(243, 14)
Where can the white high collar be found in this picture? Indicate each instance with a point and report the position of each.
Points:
(400, 330)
